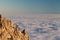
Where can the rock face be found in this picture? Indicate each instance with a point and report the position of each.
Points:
(9, 31)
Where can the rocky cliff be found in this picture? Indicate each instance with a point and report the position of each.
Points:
(9, 31)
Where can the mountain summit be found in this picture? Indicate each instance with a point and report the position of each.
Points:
(9, 31)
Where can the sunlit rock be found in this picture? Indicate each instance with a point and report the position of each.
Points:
(9, 31)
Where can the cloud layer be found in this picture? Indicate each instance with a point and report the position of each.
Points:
(40, 28)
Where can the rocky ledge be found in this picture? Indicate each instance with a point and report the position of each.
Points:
(9, 31)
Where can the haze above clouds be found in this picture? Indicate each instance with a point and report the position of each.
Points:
(29, 7)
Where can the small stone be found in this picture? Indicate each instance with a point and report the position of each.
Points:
(23, 31)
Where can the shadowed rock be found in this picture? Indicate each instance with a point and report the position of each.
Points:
(0, 17)
(0, 21)
(23, 31)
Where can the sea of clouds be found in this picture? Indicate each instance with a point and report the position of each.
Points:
(40, 28)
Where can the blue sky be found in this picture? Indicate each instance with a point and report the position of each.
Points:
(24, 7)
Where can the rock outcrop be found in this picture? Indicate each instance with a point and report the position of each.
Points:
(9, 31)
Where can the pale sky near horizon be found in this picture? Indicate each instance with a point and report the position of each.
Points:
(29, 7)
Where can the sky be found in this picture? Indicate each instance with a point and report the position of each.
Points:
(29, 7)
